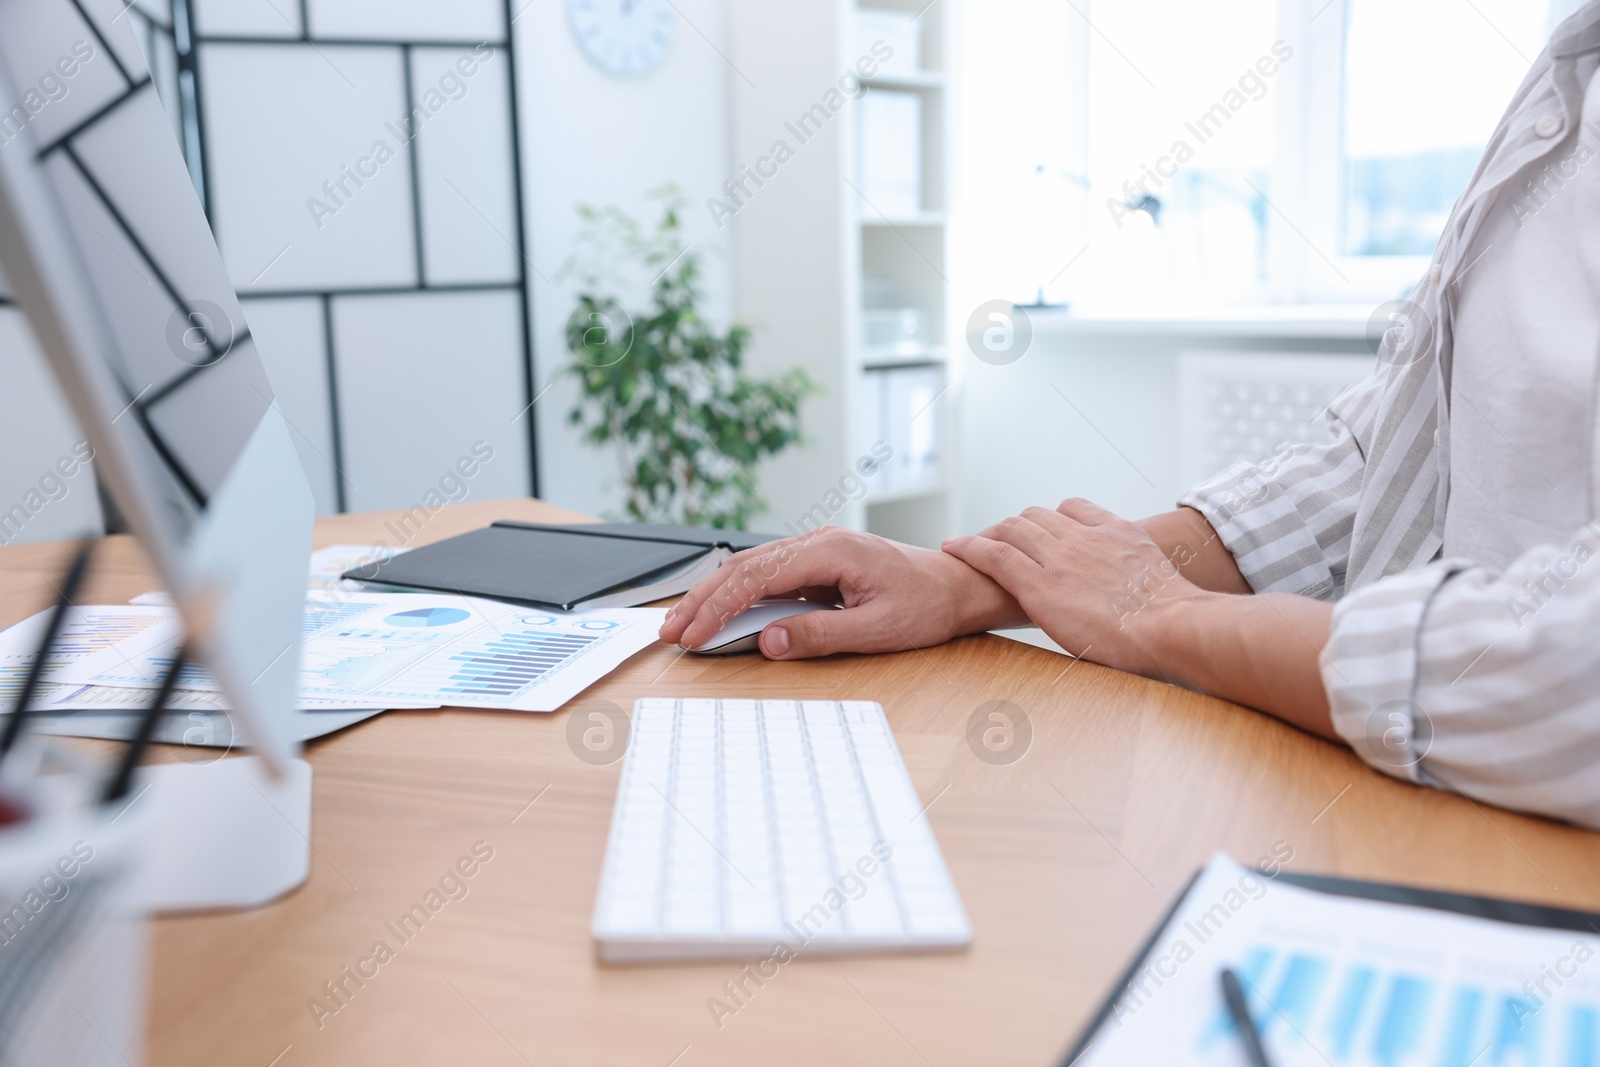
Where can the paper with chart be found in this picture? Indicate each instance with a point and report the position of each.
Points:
(393, 649)
(91, 629)
(84, 631)
(1354, 983)
(195, 718)
(192, 729)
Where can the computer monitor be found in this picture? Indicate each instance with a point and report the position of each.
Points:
(107, 251)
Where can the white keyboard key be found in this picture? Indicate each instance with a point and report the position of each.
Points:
(874, 915)
(692, 921)
(757, 918)
(819, 922)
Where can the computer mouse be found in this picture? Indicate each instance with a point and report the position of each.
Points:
(742, 633)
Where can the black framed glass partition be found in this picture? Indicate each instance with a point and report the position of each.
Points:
(359, 162)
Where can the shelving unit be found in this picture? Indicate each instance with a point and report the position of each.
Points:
(816, 253)
(909, 253)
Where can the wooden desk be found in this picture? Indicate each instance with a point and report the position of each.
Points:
(1064, 859)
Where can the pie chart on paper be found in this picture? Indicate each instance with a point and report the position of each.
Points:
(427, 617)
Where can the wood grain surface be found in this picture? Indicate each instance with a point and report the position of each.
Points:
(1064, 858)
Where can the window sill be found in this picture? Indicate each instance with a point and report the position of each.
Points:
(1292, 321)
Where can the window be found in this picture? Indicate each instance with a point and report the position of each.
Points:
(1265, 151)
(1180, 143)
(1403, 166)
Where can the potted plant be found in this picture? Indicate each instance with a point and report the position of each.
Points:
(662, 386)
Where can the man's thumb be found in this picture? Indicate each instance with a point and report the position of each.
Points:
(816, 633)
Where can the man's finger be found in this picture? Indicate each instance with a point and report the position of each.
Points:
(738, 586)
(1003, 562)
(681, 614)
(814, 561)
(1053, 523)
(1086, 511)
(822, 633)
(1034, 541)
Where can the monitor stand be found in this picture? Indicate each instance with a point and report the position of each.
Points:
(223, 834)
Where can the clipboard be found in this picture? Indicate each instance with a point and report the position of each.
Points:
(1514, 912)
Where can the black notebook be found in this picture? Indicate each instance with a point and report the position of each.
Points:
(559, 566)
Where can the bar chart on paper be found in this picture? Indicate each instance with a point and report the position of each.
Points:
(465, 651)
(83, 632)
(360, 651)
(500, 663)
(404, 650)
(1336, 981)
(1312, 1009)
(510, 661)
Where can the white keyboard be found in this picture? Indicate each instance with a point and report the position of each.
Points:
(740, 824)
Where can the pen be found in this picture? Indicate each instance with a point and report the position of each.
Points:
(1239, 1011)
(117, 788)
(30, 685)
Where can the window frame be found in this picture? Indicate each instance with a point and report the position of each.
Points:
(1304, 190)
(1309, 173)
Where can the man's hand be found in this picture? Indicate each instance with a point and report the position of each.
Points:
(1109, 593)
(895, 597)
(1094, 582)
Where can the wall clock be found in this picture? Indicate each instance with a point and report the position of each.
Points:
(624, 38)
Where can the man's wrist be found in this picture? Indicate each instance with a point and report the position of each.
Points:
(1165, 637)
(977, 602)
(1260, 651)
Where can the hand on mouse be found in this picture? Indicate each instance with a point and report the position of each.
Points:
(896, 597)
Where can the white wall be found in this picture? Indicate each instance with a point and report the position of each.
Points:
(592, 138)
(1088, 414)
(1023, 442)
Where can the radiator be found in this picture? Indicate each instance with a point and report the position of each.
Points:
(1242, 405)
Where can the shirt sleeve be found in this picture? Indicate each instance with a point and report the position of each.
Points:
(1482, 683)
(1288, 519)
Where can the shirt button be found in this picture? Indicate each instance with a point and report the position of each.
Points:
(1548, 125)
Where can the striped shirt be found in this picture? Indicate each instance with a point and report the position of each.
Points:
(1453, 516)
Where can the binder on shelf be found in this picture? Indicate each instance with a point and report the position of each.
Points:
(890, 155)
(899, 405)
(913, 394)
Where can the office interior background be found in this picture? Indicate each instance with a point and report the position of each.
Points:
(1193, 220)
